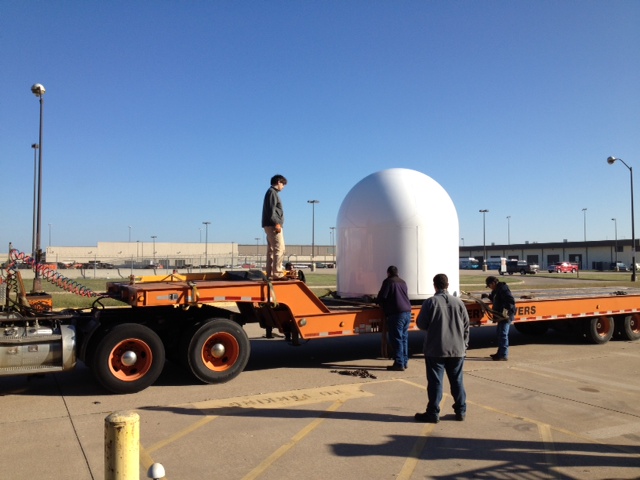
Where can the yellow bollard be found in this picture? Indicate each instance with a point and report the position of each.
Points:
(122, 446)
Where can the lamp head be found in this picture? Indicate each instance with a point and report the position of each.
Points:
(38, 89)
(611, 160)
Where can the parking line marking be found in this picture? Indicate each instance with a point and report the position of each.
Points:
(414, 455)
(177, 436)
(266, 463)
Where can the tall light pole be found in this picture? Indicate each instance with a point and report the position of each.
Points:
(333, 243)
(257, 239)
(615, 226)
(206, 242)
(153, 237)
(35, 147)
(484, 240)
(313, 228)
(509, 230)
(611, 161)
(586, 249)
(129, 233)
(49, 234)
(38, 90)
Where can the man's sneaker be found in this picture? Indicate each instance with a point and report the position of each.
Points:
(460, 417)
(426, 418)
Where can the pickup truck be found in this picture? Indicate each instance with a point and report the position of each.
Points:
(563, 267)
(521, 266)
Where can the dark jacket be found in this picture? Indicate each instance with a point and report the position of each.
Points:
(393, 296)
(502, 298)
(272, 212)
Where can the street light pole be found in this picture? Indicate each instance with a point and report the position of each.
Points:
(38, 90)
(509, 230)
(333, 243)
(49, 234)
(313, 228)
(484, 240)
(586, 249)
(206, 242)
(153, 237)
(611, 161)
(35, 147)
(129, 233)
(615, 226)
(257, 239)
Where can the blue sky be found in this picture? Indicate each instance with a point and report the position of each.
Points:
(161, 115)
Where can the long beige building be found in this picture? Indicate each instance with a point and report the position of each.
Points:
(181, 254)
(591, 255)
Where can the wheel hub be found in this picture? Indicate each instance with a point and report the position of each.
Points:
(217, 350)
(129, 358)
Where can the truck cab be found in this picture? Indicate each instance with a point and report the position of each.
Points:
(520, 266)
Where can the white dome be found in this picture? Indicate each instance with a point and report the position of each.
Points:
(396, 217)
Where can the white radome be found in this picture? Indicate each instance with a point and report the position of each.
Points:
(397, 217)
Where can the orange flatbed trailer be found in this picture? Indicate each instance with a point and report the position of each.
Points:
(196, 320)
(599, 311)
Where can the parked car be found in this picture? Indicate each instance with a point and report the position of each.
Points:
(563, 267)
(521, 266)
(619, 267)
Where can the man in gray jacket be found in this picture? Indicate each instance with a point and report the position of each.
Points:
(446, 322)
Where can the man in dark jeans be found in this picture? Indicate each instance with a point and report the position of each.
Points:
(446, 322)
(503, 303)
(394, 300)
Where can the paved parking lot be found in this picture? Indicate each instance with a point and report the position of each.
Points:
(559, 409)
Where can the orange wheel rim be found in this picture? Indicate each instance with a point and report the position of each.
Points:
(120, 360)
(220, 352)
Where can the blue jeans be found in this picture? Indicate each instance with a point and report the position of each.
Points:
(503, 338)
(398, 333)
(436, 366)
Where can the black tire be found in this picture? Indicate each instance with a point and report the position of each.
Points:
(218, 351)
(522, 272)
(115, 372)
(573, 270)
(628, 327)
(531, 328)
(599, 330)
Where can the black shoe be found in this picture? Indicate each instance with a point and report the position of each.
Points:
(396, 368)
(426, 418)
(460, 417)
(499, 358)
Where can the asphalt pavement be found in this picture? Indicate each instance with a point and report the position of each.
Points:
(558, 409)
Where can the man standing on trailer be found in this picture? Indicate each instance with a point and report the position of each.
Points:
(503, 302)
(272, 221)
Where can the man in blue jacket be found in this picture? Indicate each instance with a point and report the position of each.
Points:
(394, 300)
